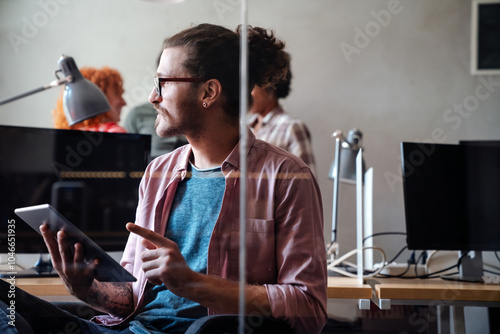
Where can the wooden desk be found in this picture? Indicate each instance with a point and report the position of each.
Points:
(43, 286)
(349, 288)
(402, 291)
(449, 297)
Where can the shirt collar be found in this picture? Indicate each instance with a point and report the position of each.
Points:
(233, 159)
(276, 111)
(181, 166)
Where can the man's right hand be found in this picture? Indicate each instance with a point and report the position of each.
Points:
(75, 273)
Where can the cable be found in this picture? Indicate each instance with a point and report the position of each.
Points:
(427, 263)
(398, 254)
(399, 275)
(382, 233)
(333, 266)
(412, 260)
(432, 275)
(425, 276)
(459, 262)
(424, 257)
(492, 272)
(416, 264)
(491, 266)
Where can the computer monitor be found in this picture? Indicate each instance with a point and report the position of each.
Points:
(485, 33)
(452, 196)
(91, 178)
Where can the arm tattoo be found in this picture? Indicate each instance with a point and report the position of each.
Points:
(115, 298)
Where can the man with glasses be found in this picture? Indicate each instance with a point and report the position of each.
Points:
(184, 246)
(141, 119)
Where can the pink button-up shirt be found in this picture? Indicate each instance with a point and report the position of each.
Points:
(284, 235)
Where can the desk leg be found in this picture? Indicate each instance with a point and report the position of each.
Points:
(443, 319)
(458, 319)
(383, 304)
(364, 304)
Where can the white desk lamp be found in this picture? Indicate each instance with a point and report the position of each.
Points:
(343, 169)
(349, 167)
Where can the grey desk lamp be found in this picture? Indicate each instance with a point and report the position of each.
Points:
(81, 98)
(343, 169)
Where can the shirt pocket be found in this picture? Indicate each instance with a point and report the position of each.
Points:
(260, 251)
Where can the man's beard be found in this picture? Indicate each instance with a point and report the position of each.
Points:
(187, 123)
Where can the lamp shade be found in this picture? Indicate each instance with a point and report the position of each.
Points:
(82, 99)
(347, 159)
(347, 168)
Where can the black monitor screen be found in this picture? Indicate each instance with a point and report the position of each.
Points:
(488, 35)
(451, 196)
(91, 178)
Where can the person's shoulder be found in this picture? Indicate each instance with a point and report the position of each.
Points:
(283, 117)
(278, 164)
(113, 128)
(272, 155)
(290, 119)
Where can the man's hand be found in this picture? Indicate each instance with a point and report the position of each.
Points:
(75, 273)
(162, 261)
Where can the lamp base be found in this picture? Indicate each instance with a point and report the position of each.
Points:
(332, 251)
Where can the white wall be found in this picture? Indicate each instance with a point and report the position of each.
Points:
(398, 86)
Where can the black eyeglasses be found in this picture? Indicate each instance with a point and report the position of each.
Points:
(158, 81)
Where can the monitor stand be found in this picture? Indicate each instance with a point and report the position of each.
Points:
(471, 267)
(42, 268)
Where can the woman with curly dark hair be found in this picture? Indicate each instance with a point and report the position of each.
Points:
(111, 83)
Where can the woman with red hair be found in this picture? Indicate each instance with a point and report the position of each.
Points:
(110, 82)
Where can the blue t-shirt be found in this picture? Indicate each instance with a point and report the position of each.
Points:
(195, 209)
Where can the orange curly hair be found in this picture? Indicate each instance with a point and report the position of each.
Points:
(108, 80)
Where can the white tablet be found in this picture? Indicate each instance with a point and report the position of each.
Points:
(108, 270)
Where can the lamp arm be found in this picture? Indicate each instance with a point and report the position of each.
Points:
(336, 189)
(333, 245)
(52, 84)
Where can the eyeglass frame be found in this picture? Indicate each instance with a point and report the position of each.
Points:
(158, 82)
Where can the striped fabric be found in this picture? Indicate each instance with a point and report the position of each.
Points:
(286, 132)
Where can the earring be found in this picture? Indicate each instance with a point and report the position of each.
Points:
(204, 104)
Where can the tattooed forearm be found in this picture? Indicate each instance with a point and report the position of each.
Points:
(115, 298)
(124, 290)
